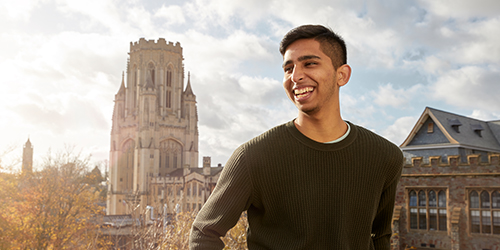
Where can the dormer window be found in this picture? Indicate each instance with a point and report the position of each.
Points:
(477, 128)
(455, 124)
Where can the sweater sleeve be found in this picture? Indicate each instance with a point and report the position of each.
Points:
(381, 227)
(223, 208)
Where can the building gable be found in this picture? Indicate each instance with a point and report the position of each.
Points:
(429, 133)
(458, 130)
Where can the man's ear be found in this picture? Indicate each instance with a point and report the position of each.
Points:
(343, 75)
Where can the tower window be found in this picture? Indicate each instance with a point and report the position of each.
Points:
(168, 99)
(169, 78)
(151, 68)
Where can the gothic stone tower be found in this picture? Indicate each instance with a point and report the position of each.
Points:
(155, 124)
(27, 158)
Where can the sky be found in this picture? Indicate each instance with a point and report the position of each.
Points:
(61, 64)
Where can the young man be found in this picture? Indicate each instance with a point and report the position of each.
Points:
(316, 182)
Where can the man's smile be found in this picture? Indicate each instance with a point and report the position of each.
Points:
(302, 92)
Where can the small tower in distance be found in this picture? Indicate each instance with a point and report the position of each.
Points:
(27, 158)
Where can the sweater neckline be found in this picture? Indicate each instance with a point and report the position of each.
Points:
(322, 146)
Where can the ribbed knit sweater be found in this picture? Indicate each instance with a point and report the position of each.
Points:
(302, 194)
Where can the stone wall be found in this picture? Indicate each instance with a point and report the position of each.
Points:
(458, 180)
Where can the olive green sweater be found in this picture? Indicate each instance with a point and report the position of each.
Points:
(301, 194)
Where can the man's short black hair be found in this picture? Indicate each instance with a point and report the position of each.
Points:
(330, 43)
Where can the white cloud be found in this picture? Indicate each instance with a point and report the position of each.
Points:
(462, 9)
(435, 65)
(386, 95)
(469, 87)
(400, 129)
(485, 115)
(18, 10)
(230, 48)
(173, 14)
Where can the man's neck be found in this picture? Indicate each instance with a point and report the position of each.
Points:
(321, 129)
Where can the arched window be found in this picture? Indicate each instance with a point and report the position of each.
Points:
(442, 211)
(134, 88)
(485, 199)
(170, 156)
(169, 77)
(474, 199)
(413, 210)
(432, 199)
(422, 199)
(427, 210)
(151, 71)
(484, 211)
(168, 89)
(495, 206)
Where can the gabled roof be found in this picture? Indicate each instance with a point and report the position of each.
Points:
(460, 130)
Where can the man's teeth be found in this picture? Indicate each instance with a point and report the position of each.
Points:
(303, 90)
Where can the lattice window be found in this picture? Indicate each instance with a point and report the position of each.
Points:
(427, 209)
(484, 211)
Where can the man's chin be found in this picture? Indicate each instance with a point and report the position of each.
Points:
(307, 110)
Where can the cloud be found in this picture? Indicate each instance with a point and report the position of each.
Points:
(485, 115)
(18, 10)
(400, 129)
(462, 9)
(63, 60)
(470, 87)
(172, 14)
(386, 95)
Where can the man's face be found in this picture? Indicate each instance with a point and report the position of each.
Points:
(309, 77)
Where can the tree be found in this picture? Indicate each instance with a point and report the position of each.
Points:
(51, 209)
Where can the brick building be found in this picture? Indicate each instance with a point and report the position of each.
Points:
(449, 193)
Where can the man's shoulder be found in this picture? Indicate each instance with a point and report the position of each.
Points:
(269, 137)
(276, 131)
(377, 142)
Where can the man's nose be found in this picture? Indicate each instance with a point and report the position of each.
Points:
(297, 74)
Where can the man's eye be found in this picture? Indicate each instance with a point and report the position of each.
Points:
(310, 63)
(287, 69)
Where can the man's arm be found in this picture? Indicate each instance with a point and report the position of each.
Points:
(381, 228)
(223, 208)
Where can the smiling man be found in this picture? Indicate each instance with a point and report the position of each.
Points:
(316, 182)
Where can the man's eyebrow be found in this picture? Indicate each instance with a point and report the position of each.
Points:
(302, 58)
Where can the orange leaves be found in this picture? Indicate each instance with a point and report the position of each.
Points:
(50, 209)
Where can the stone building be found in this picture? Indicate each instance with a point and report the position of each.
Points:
(183, 189)
(440, 133)
(449, 193)
(155, 127)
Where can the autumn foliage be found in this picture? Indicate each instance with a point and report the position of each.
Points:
(55, 208)
(58, 208)
(175, 235)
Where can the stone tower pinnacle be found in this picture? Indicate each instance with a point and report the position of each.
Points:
(27, 166)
